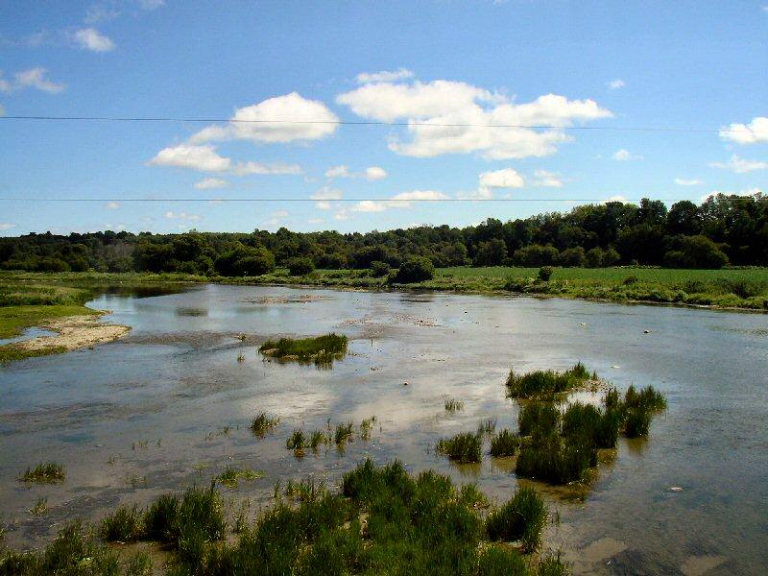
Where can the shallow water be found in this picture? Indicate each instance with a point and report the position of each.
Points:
(28, 334)
(148, 414)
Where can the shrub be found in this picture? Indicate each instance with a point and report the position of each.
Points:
(504, 443)
(536, 255)
(545, 273)
(379, 269)
(300, 266)
(594, 258)
(464, 447)
(416, 269)
(538, 417)
(572, 257)
(521, 518)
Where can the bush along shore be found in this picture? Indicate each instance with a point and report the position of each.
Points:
(557, 442)
(380, 520)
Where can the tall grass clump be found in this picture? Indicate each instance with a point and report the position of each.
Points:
(504, 443)
(343, 433)
(521, 518)
(647, 398)
(546, 383)
(453, 405)
(556, 459)
(232, 476)
(263, 424)
(296, 441)
(637, 423)
(538, 417)
(126, 524)
(502, 561)
(600, 427)
(320, 350)
(44, 473)
(464, 447)
(486, 426)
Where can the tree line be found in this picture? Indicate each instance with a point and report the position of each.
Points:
(720, 231)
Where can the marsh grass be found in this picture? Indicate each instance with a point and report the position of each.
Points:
(521, 518)
(366, 426)
(546, 383)
(263, 423)
(453, 405)
(556, 459)
(487, 426)
(296, 441)
(232, 476)
(538, 417)
(320, 350)
(44, 473)
(504, 443)
(637, 423)
(647, 398)
(40, 507)
(126, 524)
(344, 433)
(464, 447)
(317, 439)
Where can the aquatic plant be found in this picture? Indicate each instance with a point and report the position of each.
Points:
(463, 447)
(44, 473)
(486, 426)
(538, 417)
(317, 438)
(504, 443)
(140, 564)
(593, 425)
(125, 524)
(40, 507)
(501, 561)
(546, 383)
(320, 350)
(552, 565)
(453, 405)
(232, 476)
(637, 422)
(343, 433)
(366, 426)
(521, 518)
(647, 398)
(471, 496)
(296, 441)
(263, 424)
(556, 459)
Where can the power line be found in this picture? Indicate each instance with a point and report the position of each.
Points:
(149, 119)
(390, 201)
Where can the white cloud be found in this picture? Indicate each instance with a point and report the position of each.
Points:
(623, 155)
(324, 195)
(276, 218)
(201, 158)
(447, 117)
(506, 178)
(31, 78)
(740, 165)
(101, 12)
(752, 133)
(6, 226)
(181, 216)
(113, 205)
(211, 183)
(384, 76)
(616, 84)
(688, 182)
(479, 194)
(246, 168)
(747, 192)
(338, 172)
(370, 173)
(151, 4)
(273, 120)
(616, 198)
(547, 179)
(375, 173)
(402, 200)
(93, 40)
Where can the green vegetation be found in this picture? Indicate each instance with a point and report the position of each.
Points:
(320, 350)
(296, 441)
(382, 520)
(45, 473)
(556, 459)
(504, 443)
(464, 447)
(538, 416)
(521, 518)
(546, 383)
(453, 405)
(366, 426)
(486, 426)
(343, 433)
(232, 476)
(416, 269)
(262, 424)
(300, 266)
(647, 398)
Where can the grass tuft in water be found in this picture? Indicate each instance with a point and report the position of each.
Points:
(538, 417)
(454, 405)
(521, 518)
(555, 459)
(464, 447)
(343, 433)
(504, 443)
(296, 441)
(320, 350)
(231, 477)
(44, 473)
(647, 398)
(486, 426)
(126, 524)
(366, 426)
(637, 423)
(263, 424)
(546, 383)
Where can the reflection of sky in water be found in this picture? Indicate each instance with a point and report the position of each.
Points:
(28, 334)
(176, 380)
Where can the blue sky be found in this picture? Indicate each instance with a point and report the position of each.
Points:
(550, 69)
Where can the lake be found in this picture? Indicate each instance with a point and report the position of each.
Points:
(170, 405)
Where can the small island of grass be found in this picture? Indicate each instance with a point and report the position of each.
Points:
(320, 350)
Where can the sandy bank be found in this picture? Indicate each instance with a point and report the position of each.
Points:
(75, 332)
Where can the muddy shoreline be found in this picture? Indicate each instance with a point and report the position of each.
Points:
(72, 333)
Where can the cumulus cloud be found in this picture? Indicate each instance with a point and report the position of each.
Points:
(752, 133)
(276, 218)
(402, 200)
(201, 158)
(274, 120)
(547, 179)
(623, 155)
(324, 195)
(616, 198)
(36, 78)
(616, 84)
(181, 216)
(246, 168)
(93, 40)
(446, 117)
(370, 173)
(688, 182)
(747, 192)
(6, 226)
(506, 178)
(384, 76)
(113, 205)
(211, 183)
(740, 165)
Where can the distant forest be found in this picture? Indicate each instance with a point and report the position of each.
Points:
(724, 230)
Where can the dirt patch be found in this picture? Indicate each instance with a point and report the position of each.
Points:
(75, 332)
